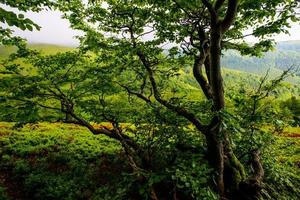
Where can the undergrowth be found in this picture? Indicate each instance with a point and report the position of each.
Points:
(54, 161)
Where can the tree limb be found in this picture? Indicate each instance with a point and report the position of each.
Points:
(257, 167)
(211, 10)
(139, 95)
(104, 131)
(183, 9)
(197, 71)
(230, 15)
(179, 110)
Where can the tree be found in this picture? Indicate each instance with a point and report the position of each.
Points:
(128, 38)
(209, 27)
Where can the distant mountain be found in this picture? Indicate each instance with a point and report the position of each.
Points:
(293, 45)
(285, 55)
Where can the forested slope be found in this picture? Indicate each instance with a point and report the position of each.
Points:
(285, 55)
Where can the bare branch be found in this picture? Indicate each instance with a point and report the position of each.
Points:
(146, 33)
(105, 131)
(39, 104)
(147, 64)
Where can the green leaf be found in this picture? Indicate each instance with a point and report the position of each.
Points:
(29, 27)
(21, 16)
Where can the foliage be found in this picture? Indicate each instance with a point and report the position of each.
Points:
(17, 19)
(169, 131)
(69, 158)
(293, 105)
(59, 161)
(56, 161)
(192, 178)
(253, 120)
(282, 170)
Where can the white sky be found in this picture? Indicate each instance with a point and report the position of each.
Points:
(56, 30)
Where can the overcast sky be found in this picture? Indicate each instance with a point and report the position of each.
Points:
(56, 30)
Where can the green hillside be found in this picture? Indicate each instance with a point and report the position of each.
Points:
(237, 67)
(285, 55)
(45, 48)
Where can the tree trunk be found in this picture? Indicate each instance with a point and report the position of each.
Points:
(68, 117)
(230, 172)
(215, 156)
(216, 79)
(231, 178)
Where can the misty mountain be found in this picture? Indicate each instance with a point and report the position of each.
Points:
(285, 55)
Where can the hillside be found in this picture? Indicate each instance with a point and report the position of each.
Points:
(293, 45)
(46, 48)
(286, 54)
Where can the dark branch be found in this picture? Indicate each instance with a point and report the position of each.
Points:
(180, 111)
(230, 15)
(211, 10)
(207, 68)
(197, 71)
(257, 167)
(183, 9)
(139, 95)
(39, 104)
(111, 133)
(147, 64)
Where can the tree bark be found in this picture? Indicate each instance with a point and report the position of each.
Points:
(215, 155)
(216, 79)
(230, 171)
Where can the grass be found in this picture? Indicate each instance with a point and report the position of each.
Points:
(288, 151)
(47, 49)
(56, 161)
